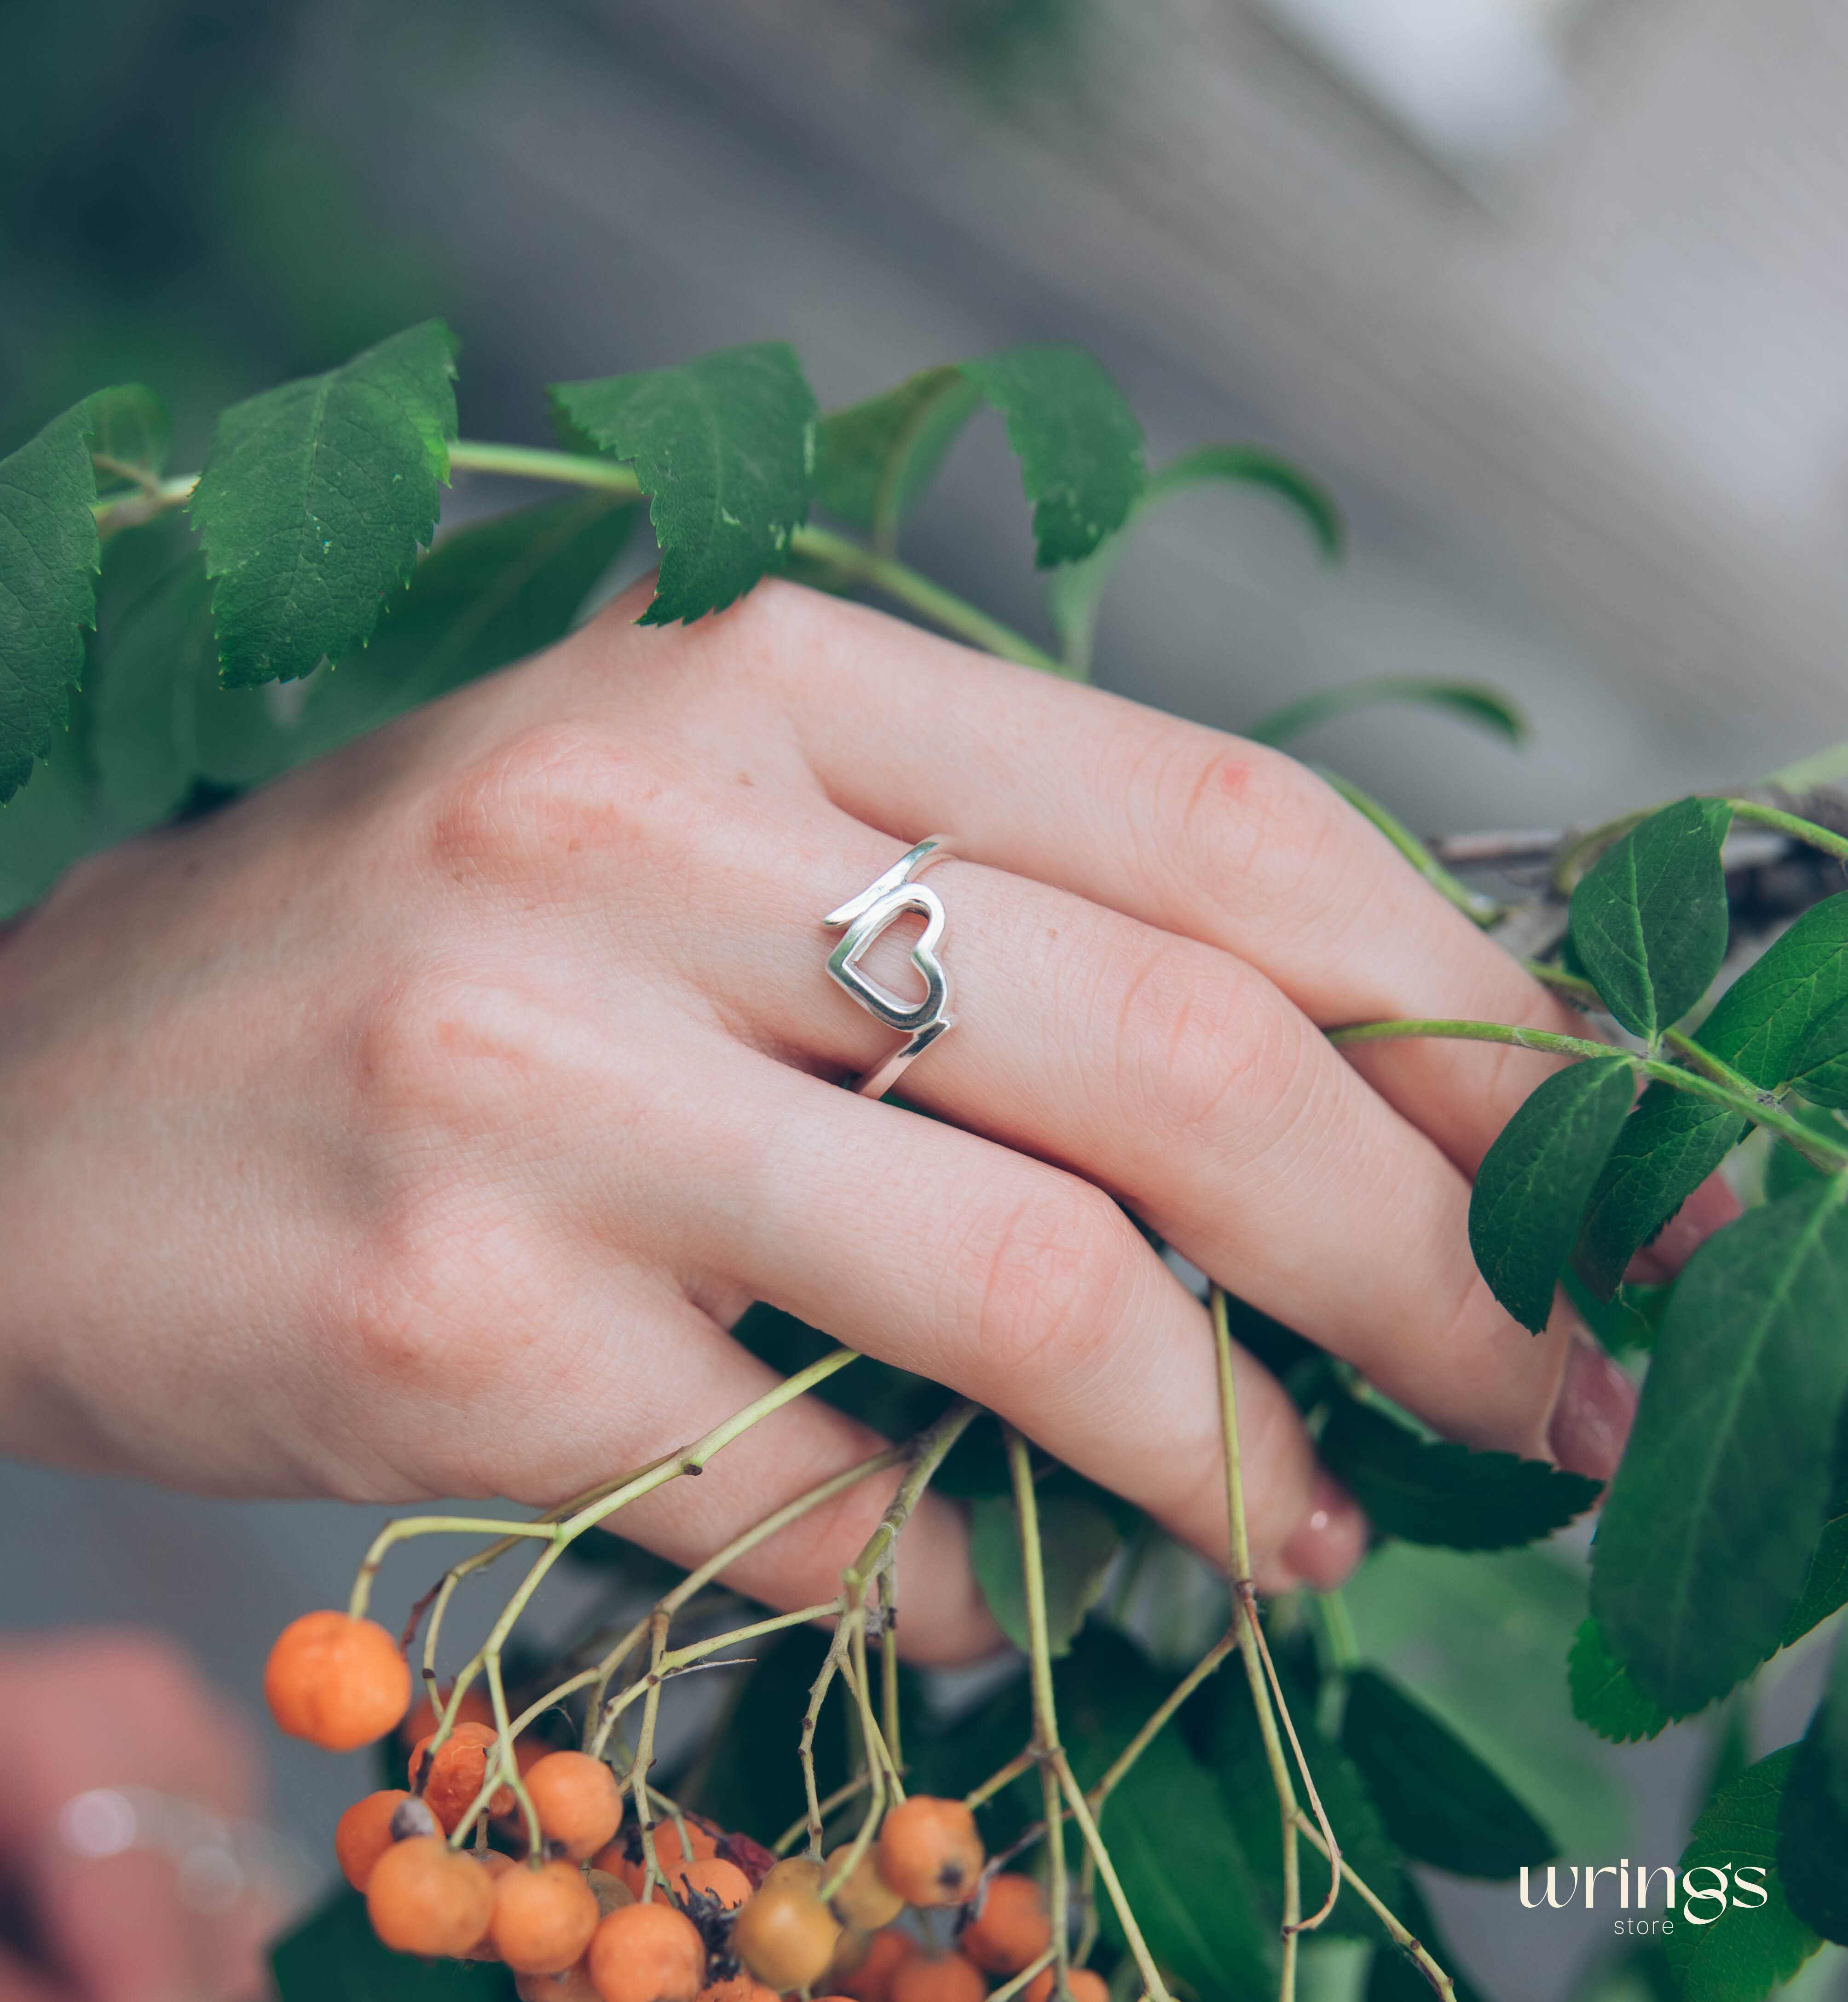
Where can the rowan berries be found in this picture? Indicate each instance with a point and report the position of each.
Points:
(927, 1977)
(425, 1897)
(865, 1900)
(740, 1988)
(786, 1935)
(493, 1866)
(1010, 1929)
(458, 1767)
(626, 1859)
(869, 1978)
(543, 1917)
(647, 1953)
(609, 1890)
(578, 1800)
(712, 1875)
(413, 1816)
(364, 1834)
(930, 1851)
(339, 1683)
(1085, 1986)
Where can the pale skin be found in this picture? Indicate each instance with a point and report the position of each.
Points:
(419, 1125)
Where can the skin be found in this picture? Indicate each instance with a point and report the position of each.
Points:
(117, 1710)
(418, 1125)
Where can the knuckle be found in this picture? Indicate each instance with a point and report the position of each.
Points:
(1203, 1056)
(1239, 815)
(519, 815)
(1052, 1280)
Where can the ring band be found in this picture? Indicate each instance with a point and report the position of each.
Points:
(860, 921)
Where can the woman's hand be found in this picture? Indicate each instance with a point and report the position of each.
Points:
(418, 1125)
(87, 1920)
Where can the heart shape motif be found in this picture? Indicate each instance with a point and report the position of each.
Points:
(868, 922)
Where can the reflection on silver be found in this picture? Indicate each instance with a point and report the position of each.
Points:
(216, 1862)
(860, 921)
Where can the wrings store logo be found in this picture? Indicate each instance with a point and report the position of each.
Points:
(1706, 1892)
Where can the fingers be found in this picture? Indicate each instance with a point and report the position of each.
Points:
(1017, 1284)
(1184, 1083)
(1184, 827)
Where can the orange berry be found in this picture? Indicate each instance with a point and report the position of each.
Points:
(574, 1985)
(647, 1953)
(457, 1768)
(495, 1866)
(869, 1978)
(929, 1977)
(784, 1935)
(627, 1860)
(930, 1851)
(424, 1898)
(740, 1988)
(421, 1719)
(1011, 1929)
(364, 1834)
(337, 1682)
(543, 1917)
(578, 1800)
(713, 1874)
(1085, 1986)
(865, 1900)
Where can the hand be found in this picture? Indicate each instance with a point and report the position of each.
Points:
(117, 1710)
(418, 1125)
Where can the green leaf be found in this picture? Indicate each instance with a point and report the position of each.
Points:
(1186, 1875)
(1707, 1535)
(46, 828)
(1487, 708)
(1819, 1068)
(1436, 1492)
(1078, 1544)
(1534, 1182)
(1237, 1758)
(1649, 919)
(1605, 1696)
(1759, 1023)
(154, 662)
(130, 432)
(334, 1955)
(1440, 1803)
(1785, 1168)
(1741, 1952)
(1625, 1322)
(1479, 1638)
(877, 457)
(725, 448)
(1078, 442)
(49, 551)
(1074, 592)
(1665, 1150)
(1812, 1842)
(1826, 1586)
(314, 499)
(485, 597)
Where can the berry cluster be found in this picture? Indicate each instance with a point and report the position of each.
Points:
(595, 1911)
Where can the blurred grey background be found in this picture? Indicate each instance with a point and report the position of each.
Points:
(1552, 293)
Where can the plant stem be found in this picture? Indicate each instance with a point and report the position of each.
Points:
(879, 571)
(1045, 1715)
(1684, 1046)
(1761, 1108)
(1401, 1938)
(1804, 831)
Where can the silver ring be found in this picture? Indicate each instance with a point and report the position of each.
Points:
(860, 921)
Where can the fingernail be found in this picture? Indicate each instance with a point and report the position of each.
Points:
(1591, 1419)
(1711, 1207)
(1325, 1548)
